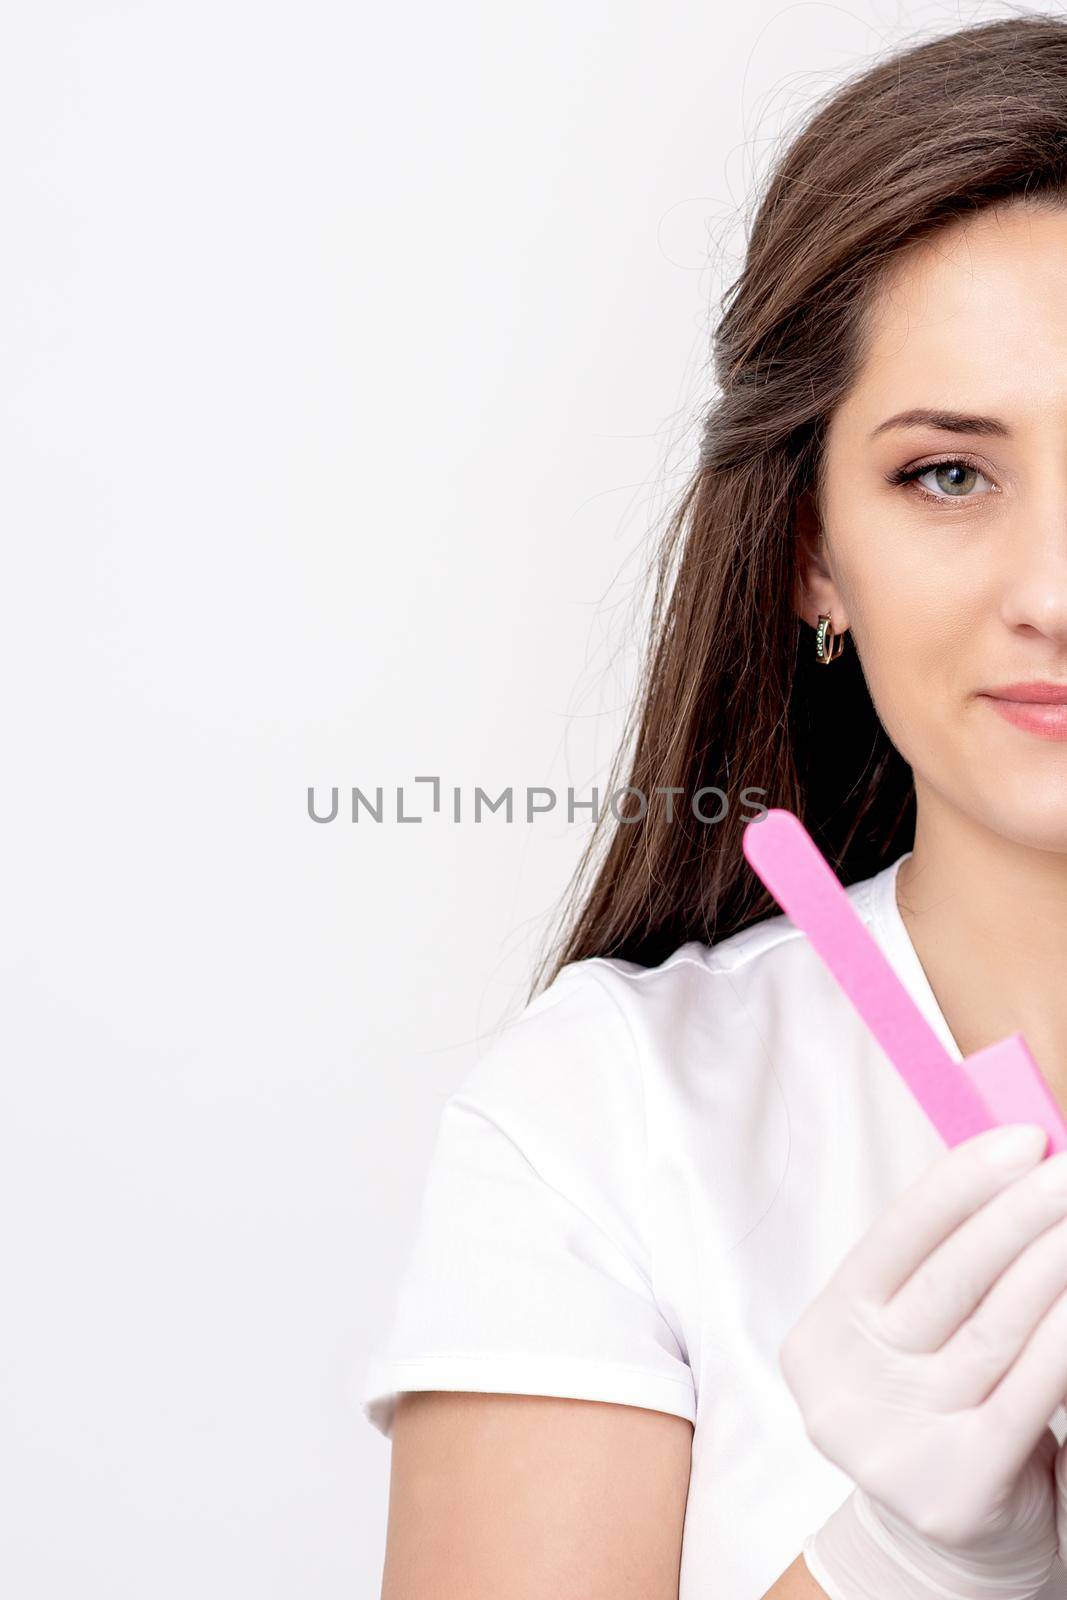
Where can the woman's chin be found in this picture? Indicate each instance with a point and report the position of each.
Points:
(1034, 814)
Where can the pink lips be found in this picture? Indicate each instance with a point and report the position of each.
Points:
(1038, 707)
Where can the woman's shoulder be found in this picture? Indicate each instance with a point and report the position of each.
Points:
(764, 971)
(610, 1043)
(608, 1033)
(707, 987)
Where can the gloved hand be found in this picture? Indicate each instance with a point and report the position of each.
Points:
(928, 1368)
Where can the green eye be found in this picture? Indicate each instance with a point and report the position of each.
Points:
(954, 479)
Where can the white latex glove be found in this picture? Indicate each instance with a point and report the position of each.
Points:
(928, 1368)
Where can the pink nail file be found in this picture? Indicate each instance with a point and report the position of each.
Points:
(1001, 1083)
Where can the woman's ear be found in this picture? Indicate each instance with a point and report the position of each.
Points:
(815, 593)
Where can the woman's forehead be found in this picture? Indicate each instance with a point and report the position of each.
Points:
(972, 319)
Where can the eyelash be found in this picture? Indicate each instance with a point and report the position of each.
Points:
(909, 475)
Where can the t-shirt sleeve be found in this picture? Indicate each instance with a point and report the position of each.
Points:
(531, 1270)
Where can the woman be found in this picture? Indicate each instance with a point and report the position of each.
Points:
(699, 1303)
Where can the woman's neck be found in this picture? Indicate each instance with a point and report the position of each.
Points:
(988, 919)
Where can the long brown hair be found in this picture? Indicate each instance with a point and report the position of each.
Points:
(730, 694)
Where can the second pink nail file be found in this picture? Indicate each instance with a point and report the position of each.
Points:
(999, 1084)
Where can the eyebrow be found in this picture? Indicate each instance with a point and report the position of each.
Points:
(945, 421)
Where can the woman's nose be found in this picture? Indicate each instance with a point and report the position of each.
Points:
(1034, 595)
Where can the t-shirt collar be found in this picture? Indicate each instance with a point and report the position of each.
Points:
(891, 931)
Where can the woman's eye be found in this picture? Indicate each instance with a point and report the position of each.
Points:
(944, 480)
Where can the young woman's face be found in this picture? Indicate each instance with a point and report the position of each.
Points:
(954, 584)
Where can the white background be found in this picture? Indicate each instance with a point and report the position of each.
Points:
(350, 358)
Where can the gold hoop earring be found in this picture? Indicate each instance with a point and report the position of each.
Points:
(828, 644)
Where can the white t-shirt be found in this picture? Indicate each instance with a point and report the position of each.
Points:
(636, 1191)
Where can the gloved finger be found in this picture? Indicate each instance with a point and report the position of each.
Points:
(983, 1348)
(928, 1213)
(1019, 1407)
(957, 1275)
